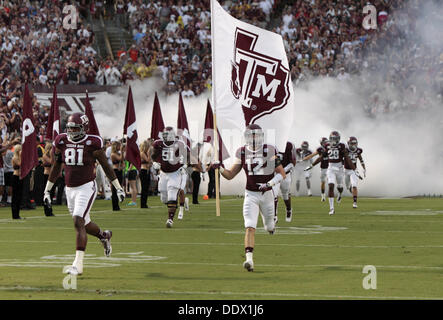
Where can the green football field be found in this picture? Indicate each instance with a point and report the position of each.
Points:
(316, 256)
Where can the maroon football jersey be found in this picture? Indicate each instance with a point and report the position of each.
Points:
(353, 156)
(172, 157)
(259, 165)
(336, 153)
(78, 158)
(324, 164)
(288, 156)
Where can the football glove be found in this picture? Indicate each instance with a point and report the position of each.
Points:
(121, 194)
(156, 166)
(308, 168)
(218, 165)
(47, 199)
(263, 187)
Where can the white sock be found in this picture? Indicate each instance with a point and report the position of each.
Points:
(248, 256)
(331, 203)
(181, 210)
(78, 261)
(9, 200)
(323, 196)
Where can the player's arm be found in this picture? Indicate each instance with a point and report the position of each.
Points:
(310, 156)
(280, 174)
(228, 174)
(313, 164)
(56, 169)
(362, 164)
(100, 156)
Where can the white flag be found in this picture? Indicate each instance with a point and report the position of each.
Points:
(251, 78)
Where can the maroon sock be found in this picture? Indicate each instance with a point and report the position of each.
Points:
(249, 249)
(355, 198)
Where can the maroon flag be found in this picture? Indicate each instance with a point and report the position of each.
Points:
(157, 124)
(182, 123)
(92, 127)
(130, 129)
(208, 135)
(53, 126)
(29, 156)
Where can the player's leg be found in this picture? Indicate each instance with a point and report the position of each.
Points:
(80, 203)
(183, 201)
(275, 189)
(340, 174)
(250, 215)
(285, 186)
(353, 179)
(173, 187)
(103, 235)
(331, 182)
(348, 180)
(323, 184)
(308, 182)
(267, 211)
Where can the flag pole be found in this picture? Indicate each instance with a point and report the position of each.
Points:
(215, 134)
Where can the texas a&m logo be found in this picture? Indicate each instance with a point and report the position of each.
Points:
(260, 82)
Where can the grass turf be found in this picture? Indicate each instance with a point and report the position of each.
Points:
(316, 256)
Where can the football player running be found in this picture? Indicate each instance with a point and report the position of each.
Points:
(302, 153)
(337, 155)
(263, 171)
(351, 176)
(171, 157)
(288, 161)
(78, 151)
(324, 164)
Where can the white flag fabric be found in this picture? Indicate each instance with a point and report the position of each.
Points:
(251, 78)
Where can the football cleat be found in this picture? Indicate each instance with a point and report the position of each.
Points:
(289, 216)
(169, 223)
(309, 193)
(331, 212)
(354, 205)
(72, 270)
(248, 265)
(339, 198)
(107, 242)
(323, 197)
(186, 204)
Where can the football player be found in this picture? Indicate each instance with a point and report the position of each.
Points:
(171, 157)
(337, 155)
(263, 171)
(324, 163)
(78, 151)
(351, 176)
(288, 161)
(302, 153)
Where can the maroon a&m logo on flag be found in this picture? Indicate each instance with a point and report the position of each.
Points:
(260, 82)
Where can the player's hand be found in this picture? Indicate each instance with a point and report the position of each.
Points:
(121, 194)
(156, 166)
(263, 187)
(217, 165)
(47, 199)
(308, 168)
